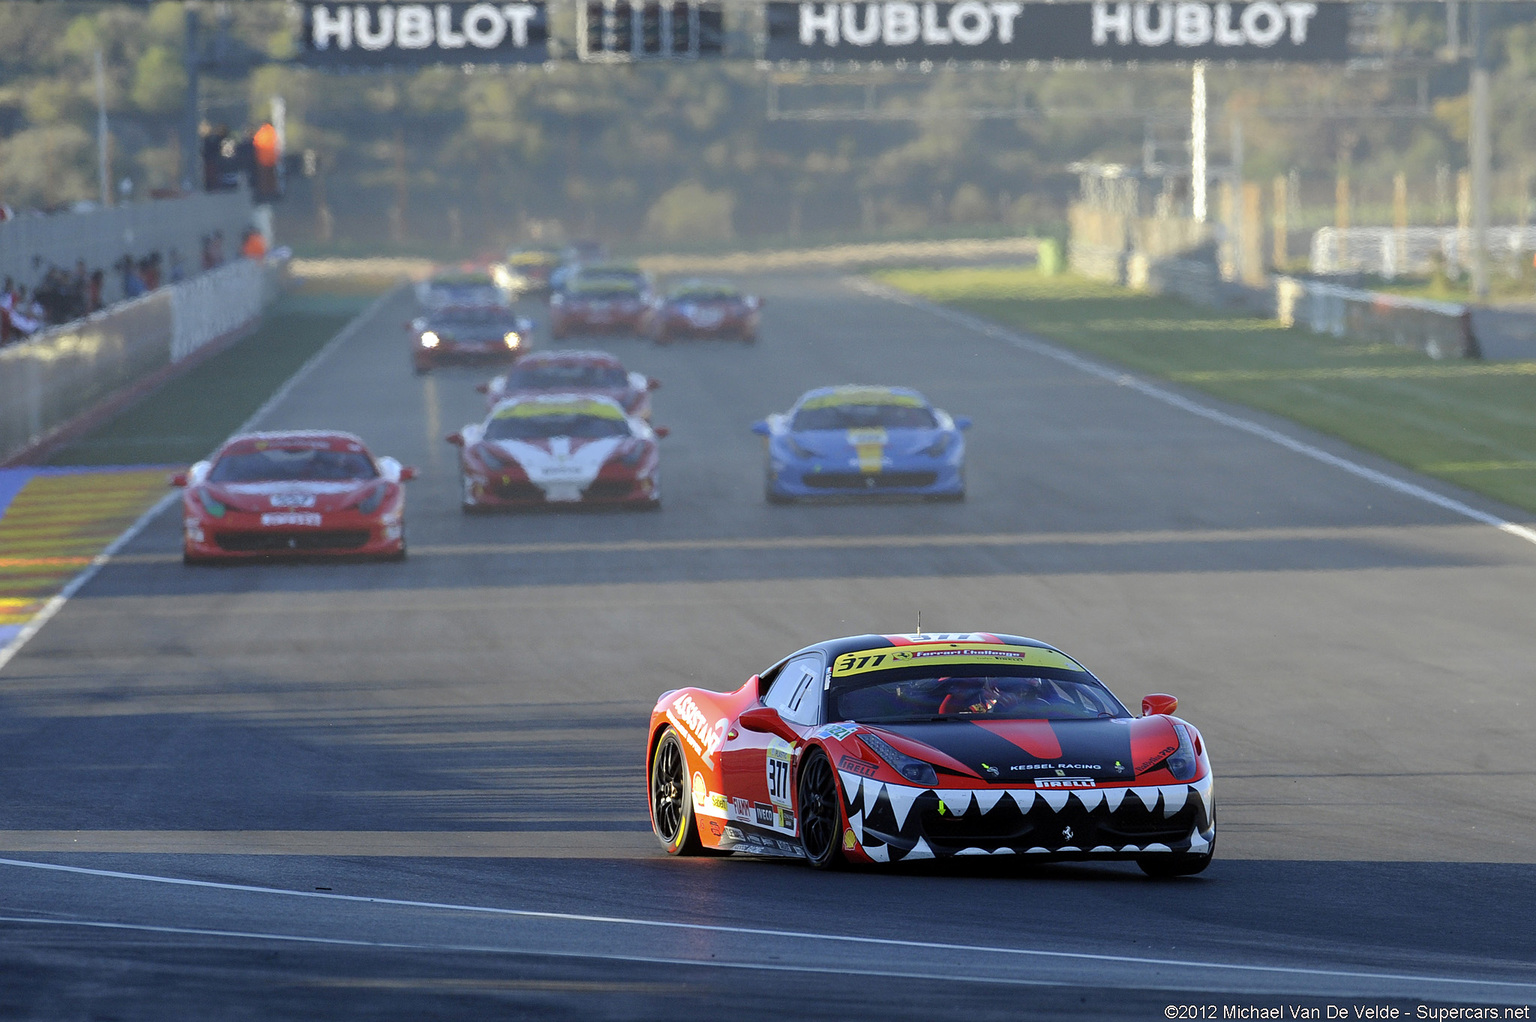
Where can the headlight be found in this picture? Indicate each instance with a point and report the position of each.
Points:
(513, 338)
(1182, 761)
(493, 460)
(371, 501)
(939, 446)
(914, 770)
(430, 340)
(210, 504)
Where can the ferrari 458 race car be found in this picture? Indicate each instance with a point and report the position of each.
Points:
(526, 272)
(574, 372)
(553, 449)
(839, 441)
(465, 320)
(703, 308)
(295, 492)
(601, 305)
(887, 748)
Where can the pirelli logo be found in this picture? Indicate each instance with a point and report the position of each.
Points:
(1066, 782)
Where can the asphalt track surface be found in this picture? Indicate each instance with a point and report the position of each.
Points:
(415, 790)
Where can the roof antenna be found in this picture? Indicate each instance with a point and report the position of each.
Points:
(919, 621)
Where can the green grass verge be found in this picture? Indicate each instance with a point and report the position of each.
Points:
(189, 416)
(1471, 423)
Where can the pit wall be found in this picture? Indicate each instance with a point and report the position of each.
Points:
(61, 383)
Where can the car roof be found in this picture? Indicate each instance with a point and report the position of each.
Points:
(581, 397)
(569, 357)
(861, 393)
(331, 439)
(854, 643)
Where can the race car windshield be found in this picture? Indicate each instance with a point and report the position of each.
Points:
(702, 295)
(567, 377)
(864, 417)
(293, 464)
(537, 427)
(606, 289)
(463, 294)
(985, 691)
(474, 316)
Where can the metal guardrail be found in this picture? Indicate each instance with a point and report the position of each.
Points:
(51, 381)
(1439, 329)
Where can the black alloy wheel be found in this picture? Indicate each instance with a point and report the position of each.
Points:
(671, 799)
(821, 814)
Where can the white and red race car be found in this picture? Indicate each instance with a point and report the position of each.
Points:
(559, 449)
(571, 372)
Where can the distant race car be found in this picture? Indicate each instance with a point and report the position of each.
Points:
(566, 372)
(703, 308)
(526, 271)
(600, 305)
(891, 748)
(559, 449)
(309, 492)
(465, 319)
(850, 440)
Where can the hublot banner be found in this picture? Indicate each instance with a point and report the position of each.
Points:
(995, 30)
(392, 34)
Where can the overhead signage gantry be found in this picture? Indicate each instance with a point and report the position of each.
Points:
(377, 34)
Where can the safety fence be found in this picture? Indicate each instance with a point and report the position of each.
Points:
(1389, 252)
(58, 383)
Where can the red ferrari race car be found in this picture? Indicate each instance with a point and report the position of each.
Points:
(559, 449)
(464, 319)
(886, 748)
(574, 372)
(607, 304)
(703, 308)
(303, 492)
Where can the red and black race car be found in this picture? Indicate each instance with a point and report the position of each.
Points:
(886, 748)
(574, 372)
(703, 308)
(608, 305)
(559, 450)
(526, 271)
(464, 319)
(308, 492)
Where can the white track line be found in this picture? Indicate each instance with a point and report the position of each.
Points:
(56, 604)
(750, 931)
(1168, 397)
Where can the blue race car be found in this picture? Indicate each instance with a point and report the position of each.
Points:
(842, 441)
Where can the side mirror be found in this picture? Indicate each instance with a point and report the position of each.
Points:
(456, 439)
(484, 388)
(962, 421)
(1158, 703)
(652, 383)
(754, 302)
(766, 720)
(760, 427)
(661, 432)
(177, 479)
(407, 473)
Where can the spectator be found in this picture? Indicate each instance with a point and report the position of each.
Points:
(93, 292)
(178, 266)
(149, 269)
(133, 284)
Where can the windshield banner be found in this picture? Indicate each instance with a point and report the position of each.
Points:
(391, 34)
(1174, 30)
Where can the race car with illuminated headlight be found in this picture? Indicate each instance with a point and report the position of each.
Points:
(606, 305)
(297, 492)
(704, 308)
(559, 449)
(894, 748)
(858, 440)
(574, 372)
(526, 271)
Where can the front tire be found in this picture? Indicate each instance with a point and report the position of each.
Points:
(672, 798)
(821, 811)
